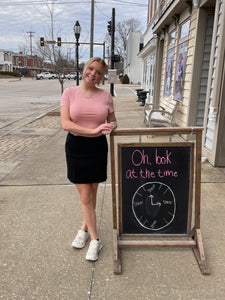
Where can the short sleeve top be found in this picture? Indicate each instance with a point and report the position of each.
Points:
(88, 112)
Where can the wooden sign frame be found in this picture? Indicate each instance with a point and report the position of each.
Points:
(193, 237)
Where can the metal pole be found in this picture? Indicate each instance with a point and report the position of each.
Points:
(77, 30)
(112, 48)
(77, 61)
(103, 51)
(103, 81)
(92, 29)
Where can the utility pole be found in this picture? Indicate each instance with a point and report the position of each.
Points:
(31, 50)
(30, 36)
(92, 28)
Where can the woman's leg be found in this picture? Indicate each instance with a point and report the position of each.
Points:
(88, 194)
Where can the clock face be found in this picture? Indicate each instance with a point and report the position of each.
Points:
(154, 205)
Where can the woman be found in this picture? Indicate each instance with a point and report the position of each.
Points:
(87, 113)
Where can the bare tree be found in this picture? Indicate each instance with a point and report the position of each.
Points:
(123, 29)
(122, 32)
(24, 48)
(50, 51)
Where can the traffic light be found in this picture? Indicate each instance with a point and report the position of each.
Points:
(42, 41)
(109, 26)
(116, 58)
(59, 41)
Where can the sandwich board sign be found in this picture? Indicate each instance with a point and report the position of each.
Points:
(156, 192)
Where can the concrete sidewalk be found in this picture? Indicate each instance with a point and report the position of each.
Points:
(39, 216)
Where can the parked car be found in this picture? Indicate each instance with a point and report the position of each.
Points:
(62, 76)
(45, 75)
(73, 76)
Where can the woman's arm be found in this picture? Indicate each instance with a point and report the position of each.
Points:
(112, 119)
(72, 127)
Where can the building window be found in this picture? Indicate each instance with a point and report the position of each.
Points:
(181, 60)
(145, 71)
(151, 76)
(169, 71)
(169, 63)
(6, 57)
(184, 29)
(172, 38)
(153, 6)
(180, 70)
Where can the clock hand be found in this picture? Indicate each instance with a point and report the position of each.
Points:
(152, 203)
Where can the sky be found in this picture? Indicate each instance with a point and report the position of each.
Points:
(19, 17)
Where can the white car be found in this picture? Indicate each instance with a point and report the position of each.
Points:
(73, 76)
(45, 75)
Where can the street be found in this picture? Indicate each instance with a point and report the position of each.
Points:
(22, 101)
(24, 120)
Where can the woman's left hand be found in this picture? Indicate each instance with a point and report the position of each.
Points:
(108, 130)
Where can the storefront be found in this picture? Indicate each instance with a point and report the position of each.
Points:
(189, 64)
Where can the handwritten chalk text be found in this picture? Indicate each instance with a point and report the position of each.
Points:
(139, 159)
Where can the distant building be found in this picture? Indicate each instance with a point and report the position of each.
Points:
(133, 64)
(29, 65)
(24, 64)
(6, 60)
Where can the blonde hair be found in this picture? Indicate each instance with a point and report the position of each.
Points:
(98, 59)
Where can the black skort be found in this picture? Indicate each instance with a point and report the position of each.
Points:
(86, 158)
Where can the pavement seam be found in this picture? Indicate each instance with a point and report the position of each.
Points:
(16, 147)
(98, 230)
(4, 131)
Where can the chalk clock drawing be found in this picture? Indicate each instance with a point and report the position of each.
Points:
(154, 205)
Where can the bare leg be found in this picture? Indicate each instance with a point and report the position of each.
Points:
(88, 194)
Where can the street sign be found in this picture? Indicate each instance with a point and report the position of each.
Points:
(112, 76)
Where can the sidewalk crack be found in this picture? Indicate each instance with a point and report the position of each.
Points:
(98, 230)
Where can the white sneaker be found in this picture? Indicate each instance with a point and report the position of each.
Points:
(93, 250)
(80, 239)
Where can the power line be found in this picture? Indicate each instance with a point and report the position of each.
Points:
(119, 2)
(132, 3)
(101, 12)
(40, 3)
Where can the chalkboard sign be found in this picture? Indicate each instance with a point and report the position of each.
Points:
(155, 188)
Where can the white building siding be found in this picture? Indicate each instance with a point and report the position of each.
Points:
(204, 71)
(133, 64)
(211, 119)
